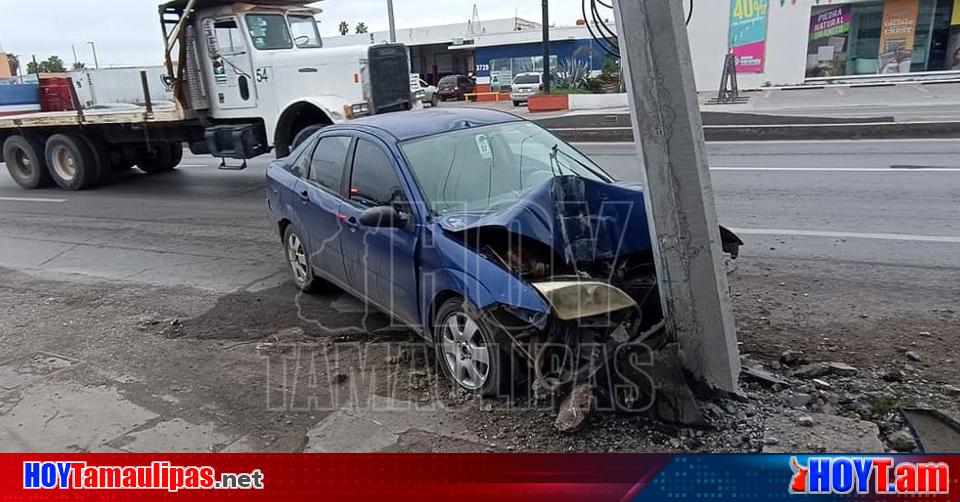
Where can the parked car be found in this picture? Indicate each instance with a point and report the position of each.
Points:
(525, 85)
(429, 93)
(481, 231)
(455, 87)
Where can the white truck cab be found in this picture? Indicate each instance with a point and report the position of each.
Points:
(246, 78)
(266, 59)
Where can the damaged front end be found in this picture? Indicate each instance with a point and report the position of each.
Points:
(583, 246)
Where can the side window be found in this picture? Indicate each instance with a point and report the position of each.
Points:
(229, 37)
(374, 181)
(301, 166)
(329, 159)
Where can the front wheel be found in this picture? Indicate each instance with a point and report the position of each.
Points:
(468, 351)
(435, 100)
(304, 135)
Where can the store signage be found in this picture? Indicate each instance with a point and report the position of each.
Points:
(832, 22)
(897, 35)
(748, 34)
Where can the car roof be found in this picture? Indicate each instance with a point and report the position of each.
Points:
(419, 123)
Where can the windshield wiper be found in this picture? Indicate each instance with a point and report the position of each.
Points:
(556, 150)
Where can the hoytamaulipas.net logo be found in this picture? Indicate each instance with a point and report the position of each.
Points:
(158, 475)
(868, 475)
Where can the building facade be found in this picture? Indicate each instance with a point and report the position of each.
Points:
(776, 42)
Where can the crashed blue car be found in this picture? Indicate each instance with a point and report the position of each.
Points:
(482, 231)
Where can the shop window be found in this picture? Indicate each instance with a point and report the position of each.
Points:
(853, 39)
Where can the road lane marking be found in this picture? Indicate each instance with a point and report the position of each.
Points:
(846, 169)
(31, 199)
(849, 235)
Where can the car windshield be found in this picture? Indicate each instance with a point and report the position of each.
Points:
(527, 79)
(487, 168)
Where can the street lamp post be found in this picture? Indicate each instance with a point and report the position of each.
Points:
(546, 46)
(393, 26)
(96, 61)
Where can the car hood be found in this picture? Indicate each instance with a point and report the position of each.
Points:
(582, 220)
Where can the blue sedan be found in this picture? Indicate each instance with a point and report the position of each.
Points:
(481, 231)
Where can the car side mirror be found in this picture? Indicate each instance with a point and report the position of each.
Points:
(383, 217)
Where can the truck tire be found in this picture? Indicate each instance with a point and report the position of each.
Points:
(163, 158)
(26, 161)
(72, 164)
(304, 135)
(103, 158)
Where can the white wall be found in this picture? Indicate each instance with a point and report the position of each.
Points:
(788, 27)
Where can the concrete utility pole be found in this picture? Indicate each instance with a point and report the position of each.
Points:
(546, 46)
(393, 25)
(655, 54)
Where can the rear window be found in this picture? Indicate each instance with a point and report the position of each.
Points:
(448, 80)
(527, 79)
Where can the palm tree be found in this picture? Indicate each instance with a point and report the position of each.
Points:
(361, 28)
(14, 64)
(344, 28)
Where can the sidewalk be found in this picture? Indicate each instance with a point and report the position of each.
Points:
(905, 102)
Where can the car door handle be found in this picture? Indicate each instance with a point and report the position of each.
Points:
(353, 223)
(305, 196)
(308, 70)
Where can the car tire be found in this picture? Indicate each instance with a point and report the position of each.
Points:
(516, 104)
(304, 135)
(26, 162)
(461, 349)
(435, 101)
(298, 258)
(71, 162)
(161, 159)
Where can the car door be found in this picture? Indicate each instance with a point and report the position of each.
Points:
(231, 66)
(320, 199)
(382, 260)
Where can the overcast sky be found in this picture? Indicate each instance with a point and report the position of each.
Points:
(127, 32)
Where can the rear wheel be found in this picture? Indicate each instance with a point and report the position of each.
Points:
(298, 257)
(26, 162)
(71, 161)
(161, 158)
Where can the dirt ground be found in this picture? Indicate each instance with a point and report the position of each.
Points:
(89, 365)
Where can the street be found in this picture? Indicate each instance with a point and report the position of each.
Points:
(162, 298)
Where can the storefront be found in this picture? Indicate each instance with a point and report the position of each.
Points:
(883, 38)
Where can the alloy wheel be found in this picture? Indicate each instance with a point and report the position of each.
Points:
(465, 351)
(297, 256)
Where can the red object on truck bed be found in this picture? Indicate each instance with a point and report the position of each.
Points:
(56, 94)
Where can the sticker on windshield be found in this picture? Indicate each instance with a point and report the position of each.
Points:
(483, 145)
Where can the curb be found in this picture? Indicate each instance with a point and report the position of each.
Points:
(797, 132)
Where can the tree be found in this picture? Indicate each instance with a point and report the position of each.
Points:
(53, 64)
(14, 64)
(79, 66)
(344, 28)
(361, 28)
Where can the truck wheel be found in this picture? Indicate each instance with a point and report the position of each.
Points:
(161, 159)
(72, 164)
(304, 135)
(103, 158)
(26, 162)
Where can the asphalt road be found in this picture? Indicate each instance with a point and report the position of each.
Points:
(867, 202)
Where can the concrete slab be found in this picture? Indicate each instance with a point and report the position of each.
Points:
(174, 436)
(30, 369)
(380, 425)
(828, 433)
(65, 417)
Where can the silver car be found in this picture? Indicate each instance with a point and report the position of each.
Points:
(525, 85)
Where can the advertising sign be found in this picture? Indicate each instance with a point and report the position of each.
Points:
(748, 34)
(897, 34)
(827, 48)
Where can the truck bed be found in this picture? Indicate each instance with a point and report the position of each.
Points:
(161, 114)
